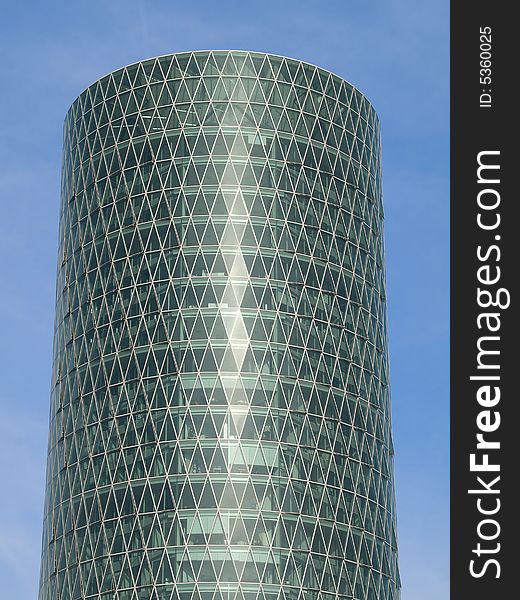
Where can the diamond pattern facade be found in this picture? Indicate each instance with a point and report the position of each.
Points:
(220, 413)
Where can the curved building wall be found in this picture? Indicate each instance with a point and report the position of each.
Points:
(220, 413)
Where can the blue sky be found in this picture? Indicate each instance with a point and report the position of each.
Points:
(396, 52)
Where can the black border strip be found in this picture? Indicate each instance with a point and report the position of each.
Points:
(483, 123)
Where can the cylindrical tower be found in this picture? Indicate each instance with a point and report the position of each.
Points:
(220, 413)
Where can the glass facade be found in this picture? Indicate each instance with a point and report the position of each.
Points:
(220, 414)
